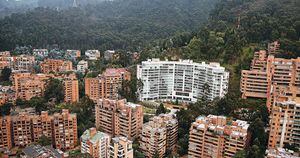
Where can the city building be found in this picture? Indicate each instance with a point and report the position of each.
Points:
(269, 77)
(273, 47)
(217, 136)
(181, 80)
(5, 53)
(40, 53)
(284, 124)
(119, 117)
(71, 88)
(106, 85)
(72, 54)
(159, 135)
(111, 55)
(82, 66)
(280, 153)
(92, 54)
(56, 65)
(6, 61)
(7, 94)
(5, 133)
(23, 63)
(29, 85)
(95, 143)
(64, 130)
(38, 151)
(22, 130)
(121, 147)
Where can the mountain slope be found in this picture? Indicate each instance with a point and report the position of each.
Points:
(108, 25)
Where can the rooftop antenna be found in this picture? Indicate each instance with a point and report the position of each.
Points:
(75, 3)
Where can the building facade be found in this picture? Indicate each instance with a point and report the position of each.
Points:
(95, 143)
(181, 80)
(71, 88)
(106, 85)
(121, 147)
(55, 65)
(119, 117)
(159, 135)
(92, 54)
(215, 136)
(5, 133)
(284, 125)
(82, 66)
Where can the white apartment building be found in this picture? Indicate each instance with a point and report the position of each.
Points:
(82, 66)
(95, 143)
(42, 53)
(92, 54)
(181, 80)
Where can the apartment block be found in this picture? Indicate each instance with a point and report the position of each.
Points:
(82, 66)
(107, 84)
(281, 153)
(159, 135)
(71, 88)
(7, 94)
(111, 55)
(64, 130)
(38, 151)
(6, 61)
(121, 147)
(273, 47)
(92, 54)
(95, 143)
(23, 63)
(29, 85)
(181, 80)
(55, 65)
(284, 124)
(41, 126)
(119, 117)
(73, 54)
(269, 76)
(40, 53)
(5, 133)
(217, 136)
(22, 130)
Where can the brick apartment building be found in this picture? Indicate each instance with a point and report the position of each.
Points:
(55, 65)
(159, 135)
(71, 88)
(23, 129)
(216, 136)
(107, 84)
(119, 117)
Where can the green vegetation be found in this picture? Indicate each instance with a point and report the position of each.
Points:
(44, 141)
(5, 74)
(54, 90)
(108, 25)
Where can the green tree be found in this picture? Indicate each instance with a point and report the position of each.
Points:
(5, 109)
(54, 90)
(240, 154)
(5, 74)
(161, 109)
(156, 154)
(44, 141)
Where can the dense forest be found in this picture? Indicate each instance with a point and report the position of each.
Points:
(121, 24)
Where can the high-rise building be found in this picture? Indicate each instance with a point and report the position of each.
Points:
(22, 130)
(95, 143)
(5, 133)
(55, 65)
(29, 85)
(64, 130)
(268, 76)
(107, 84)
(71, 88)
(121, 147)
(41, 126)
(159, 135)
(23, 63)
(284, 124)
(119, 117)
(217, 136)
(181, 80)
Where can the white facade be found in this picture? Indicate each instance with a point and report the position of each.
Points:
(92, 54)
(181, 80)
(40, 53)
(82, 66)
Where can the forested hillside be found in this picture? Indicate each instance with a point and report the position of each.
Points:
(118, 24)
